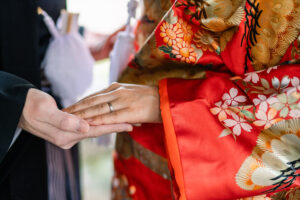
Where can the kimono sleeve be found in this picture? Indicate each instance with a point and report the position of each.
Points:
(229, 138)
(13, 92)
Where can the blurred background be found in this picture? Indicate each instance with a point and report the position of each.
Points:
(96, 161)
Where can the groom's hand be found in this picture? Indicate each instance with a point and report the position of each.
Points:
(42, 118)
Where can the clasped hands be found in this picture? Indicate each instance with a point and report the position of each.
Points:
(92, 116)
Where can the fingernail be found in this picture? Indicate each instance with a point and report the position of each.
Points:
(83, 126)
(129, 129)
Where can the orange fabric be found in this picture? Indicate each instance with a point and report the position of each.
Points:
(170, 138)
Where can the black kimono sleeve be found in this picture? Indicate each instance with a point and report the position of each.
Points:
(13, 92)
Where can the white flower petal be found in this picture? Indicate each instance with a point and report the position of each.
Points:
(256, 101)
(228, 102)
(272, 100)
(215, 110)
(261, 115)
(237, 130)
(230, 122)
(260, 122)
(262, 97)
(247, 127)
(226, 97)
(248, 77)
(235, 117)
(240, 98)
(233, 92)
(263, 106)
(271, 114)
(222, 116)
(295, 113)
(255, 77)
(218, 103)
(295, 81)
(234, 103)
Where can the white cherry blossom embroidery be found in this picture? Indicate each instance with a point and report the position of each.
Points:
(232, 99)
(260, 99)
(295, 81)
(295, 113)
(252, 76)
(262, 102)
(238, 124)
(221, 110)
(266, 120)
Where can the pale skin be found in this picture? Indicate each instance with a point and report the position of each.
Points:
(42, 118)
(133, 104)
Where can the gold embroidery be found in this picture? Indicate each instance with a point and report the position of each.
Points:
(275, 160)
(126, 147)
(153, 76)
(279, 26)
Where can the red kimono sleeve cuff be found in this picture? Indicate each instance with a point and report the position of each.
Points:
(170, 138)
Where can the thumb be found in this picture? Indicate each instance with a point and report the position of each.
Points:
(68, 122)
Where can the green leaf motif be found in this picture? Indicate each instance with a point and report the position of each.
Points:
(225, 133)
(166, 49)
(258, 87)
(172, 55)
(254, 109)
(265, 83)
(248, 114)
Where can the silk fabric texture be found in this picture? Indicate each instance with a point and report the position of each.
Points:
(229, 86)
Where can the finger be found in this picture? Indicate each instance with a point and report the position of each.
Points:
(67, 122)
(92, 101)
(100, 109)
(137, 125)
(121, 116)
(112, 87)
(96, 131)
(56, 136)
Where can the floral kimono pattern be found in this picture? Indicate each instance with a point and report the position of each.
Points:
(229, 83)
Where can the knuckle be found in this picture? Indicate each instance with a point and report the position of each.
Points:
(66, 123)
(38, 109)
(115, 84)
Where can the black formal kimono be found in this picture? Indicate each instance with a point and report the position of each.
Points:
(23, 41)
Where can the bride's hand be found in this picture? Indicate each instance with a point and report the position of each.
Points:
(120, 103)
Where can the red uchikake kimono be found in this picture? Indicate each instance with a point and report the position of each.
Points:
(229, 84)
